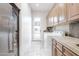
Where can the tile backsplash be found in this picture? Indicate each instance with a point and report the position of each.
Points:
(74, 29)
(64, 27)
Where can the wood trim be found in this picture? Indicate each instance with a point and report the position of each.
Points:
(17, 10)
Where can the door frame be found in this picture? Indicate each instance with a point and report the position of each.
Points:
(17, 10)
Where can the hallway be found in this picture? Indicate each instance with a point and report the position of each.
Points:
(38, 46)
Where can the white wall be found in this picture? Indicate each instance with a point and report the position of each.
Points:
(25, 28)
(43, 18)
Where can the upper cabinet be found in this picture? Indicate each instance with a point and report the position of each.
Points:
(74, 11)
(53, 16)
(63, 12)
(50, 21)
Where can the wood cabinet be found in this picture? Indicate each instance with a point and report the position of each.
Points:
(60, 50)
(68, 10)
(74, 9)
(68, 52)
(57, 48)
(74, 12)
(50, 21)
(53, 15)
(64, 12)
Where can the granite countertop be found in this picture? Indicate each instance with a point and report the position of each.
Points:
(68, 42)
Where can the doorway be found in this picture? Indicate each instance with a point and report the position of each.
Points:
(37, 28)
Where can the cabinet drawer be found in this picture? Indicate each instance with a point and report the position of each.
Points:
(59, 46)
(68, 52)
(58, 52)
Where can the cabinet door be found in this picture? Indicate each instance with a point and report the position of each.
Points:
(50, 21)
(77, 8)
(58, 52)
(68, 10)
(62, 12)
(68, 52)
(55, 12)
(53, 16)
(72, 9)
(59, 46)
(57, 49)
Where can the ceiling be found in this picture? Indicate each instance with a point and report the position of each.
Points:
(43, 7)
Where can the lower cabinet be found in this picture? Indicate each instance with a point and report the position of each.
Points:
(60, 50)
(53, 50)
(67, 52)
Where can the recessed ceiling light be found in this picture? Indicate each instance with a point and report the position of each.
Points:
(37, 5)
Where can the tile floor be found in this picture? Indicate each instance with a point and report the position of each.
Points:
(38, 49)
